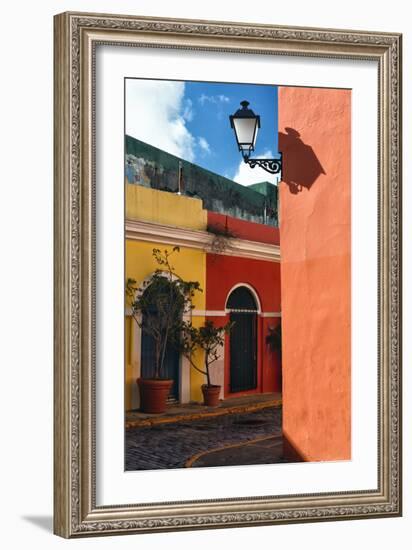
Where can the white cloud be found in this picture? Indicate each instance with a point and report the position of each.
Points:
(156, 112)
(216, 99)
(188, 112)
(204, 145)
(246, 175)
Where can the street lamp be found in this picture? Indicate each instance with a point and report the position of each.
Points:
(246, 124)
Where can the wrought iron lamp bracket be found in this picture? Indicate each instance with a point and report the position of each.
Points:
(273, 166)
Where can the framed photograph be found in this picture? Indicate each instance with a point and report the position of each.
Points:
(227, 274)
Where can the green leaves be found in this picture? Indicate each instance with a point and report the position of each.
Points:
(158, 306)
(159, 303)
(208, 338)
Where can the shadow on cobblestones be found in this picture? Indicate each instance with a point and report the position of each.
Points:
(167, 446)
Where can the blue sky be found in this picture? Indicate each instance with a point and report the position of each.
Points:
(191, 120)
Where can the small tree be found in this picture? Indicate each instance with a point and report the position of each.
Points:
(158, 306)
(207, 338)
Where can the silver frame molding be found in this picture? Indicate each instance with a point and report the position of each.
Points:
(75, 510)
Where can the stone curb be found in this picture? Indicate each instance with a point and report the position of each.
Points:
(189, 463)
(237, 409)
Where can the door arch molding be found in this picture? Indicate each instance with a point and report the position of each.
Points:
(253, 292)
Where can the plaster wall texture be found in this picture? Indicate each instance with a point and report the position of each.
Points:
(152, 205)
(243, 229)
(315, 232)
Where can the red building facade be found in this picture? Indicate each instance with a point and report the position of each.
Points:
(246, 291)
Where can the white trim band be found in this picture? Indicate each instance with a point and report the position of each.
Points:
(193, 238)
(216, 313)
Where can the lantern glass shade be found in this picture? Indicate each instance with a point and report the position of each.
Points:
(245, 125)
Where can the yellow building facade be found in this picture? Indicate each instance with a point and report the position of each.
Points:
(156, 219)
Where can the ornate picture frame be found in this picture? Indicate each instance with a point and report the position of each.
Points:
(76, 510)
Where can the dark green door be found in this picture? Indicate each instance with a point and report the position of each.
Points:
(243, 340)
(243, 352)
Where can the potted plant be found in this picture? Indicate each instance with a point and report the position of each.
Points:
(274, 342)
(207, 338)
(274, 339)
(157, 307)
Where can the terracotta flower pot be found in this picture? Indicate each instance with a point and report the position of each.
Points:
(211, 395)
(153, 394)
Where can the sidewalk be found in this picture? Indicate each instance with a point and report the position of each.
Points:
(196, 411)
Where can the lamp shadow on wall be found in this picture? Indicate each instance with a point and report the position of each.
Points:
(301, 167)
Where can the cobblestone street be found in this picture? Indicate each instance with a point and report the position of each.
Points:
(175, 445)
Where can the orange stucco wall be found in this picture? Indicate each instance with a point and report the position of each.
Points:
(314, 136)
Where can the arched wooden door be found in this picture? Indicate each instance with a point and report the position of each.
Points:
(243, 340)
